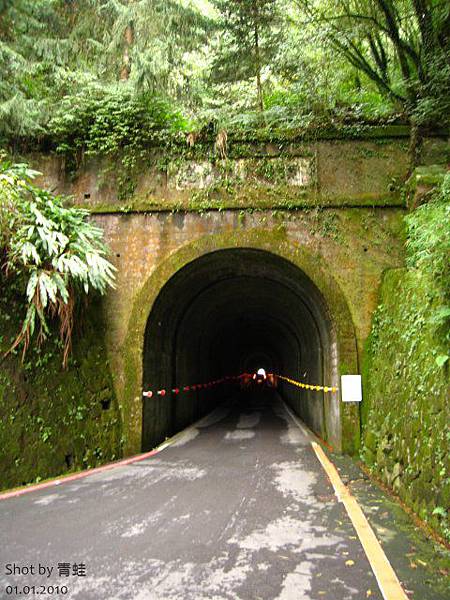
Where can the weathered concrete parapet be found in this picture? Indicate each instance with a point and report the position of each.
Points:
(363, 171)
(293, 172)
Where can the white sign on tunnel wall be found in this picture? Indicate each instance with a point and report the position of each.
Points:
(351, 390)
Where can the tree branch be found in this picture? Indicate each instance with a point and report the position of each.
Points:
(357, 59)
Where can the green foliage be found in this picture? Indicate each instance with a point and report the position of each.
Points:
(41, 433)
(401, 46)
(428, 241)
(117, 123)
(54, 252)
(428, 251)
(90, 75)
(405, 406)
(405, 409)
(440, 511)
(50, 50)
(251, 31)
(148, 42)
(100, 121)
(433, 101)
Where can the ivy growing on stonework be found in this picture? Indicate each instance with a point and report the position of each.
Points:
(114, 123)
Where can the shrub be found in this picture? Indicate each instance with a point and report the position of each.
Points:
(54, 253)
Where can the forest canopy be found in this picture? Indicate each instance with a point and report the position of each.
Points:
(241, 64)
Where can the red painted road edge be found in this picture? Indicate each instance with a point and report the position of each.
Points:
(80, 475)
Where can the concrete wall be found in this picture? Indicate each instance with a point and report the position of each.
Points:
(286, 174)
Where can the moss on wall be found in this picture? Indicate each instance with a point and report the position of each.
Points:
(405, 413)
(422, 182)
(54, 420)
(352, 170)
(245, 198)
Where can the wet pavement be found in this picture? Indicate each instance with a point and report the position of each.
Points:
(237, 508)
(421, 563)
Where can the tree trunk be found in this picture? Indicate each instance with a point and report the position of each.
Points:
(259, 88)
(258, 72)
(126, 59)
(415, 146)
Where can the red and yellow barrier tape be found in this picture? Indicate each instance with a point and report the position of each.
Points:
(308, 386)
(235, 378)
(193, 387)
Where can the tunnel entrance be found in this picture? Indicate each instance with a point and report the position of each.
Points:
(232, 311)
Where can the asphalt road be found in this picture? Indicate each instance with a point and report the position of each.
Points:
(237, 508)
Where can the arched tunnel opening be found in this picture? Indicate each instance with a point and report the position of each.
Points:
(233, 311)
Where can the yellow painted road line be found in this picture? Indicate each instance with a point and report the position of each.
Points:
(385, 575)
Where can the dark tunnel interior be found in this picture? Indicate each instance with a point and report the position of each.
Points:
(228, 312)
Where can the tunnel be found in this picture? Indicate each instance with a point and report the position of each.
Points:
(232, 311)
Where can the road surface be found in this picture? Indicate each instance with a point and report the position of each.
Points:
(237, 508)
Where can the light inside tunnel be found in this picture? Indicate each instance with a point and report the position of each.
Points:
(234, 311)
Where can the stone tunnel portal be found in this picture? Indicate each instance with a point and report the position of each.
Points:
(231, 311)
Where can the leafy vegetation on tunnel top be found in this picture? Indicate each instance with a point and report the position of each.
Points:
(73, 72)
(52, 253)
